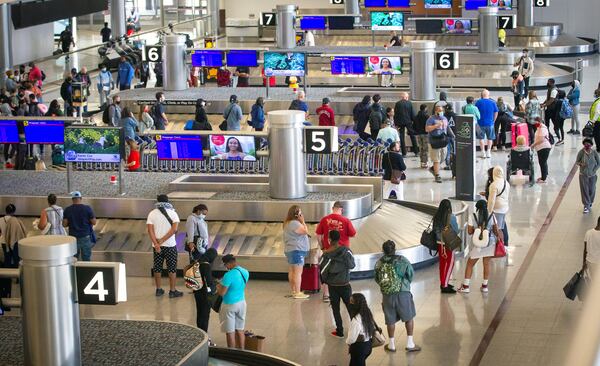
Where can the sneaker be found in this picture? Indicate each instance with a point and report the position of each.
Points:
(502, 148)
(211, 343)
(336, 334)
(448, 290)
(431, 171)
(484, 289)
(413, 349)
(447, 168)
(159, 292)
(175, 293)
(489, 154)
(438, 179)
(570, 132)
(326, 299)
(300, 295)
(540, 181)
(388, 349)
(464, 289)
(423, 165)
(560, 142)
(586, 210)
(576, 132)
(9, 166)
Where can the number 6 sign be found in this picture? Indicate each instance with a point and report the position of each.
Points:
(153, 53)
(446, 60)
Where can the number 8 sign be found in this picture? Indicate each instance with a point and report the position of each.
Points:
(153, 53)
(541, 3)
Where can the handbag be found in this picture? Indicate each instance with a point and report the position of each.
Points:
(500, 251)
(428, 238)
(216, 301)
(378, 338)
(450, 238)
(397, 174)
(439, 141)
(223, 125)
(571, 289)
(588, 130)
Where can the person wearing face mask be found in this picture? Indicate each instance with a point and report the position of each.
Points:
(198, 240)
(66, 93)
(125, 74)
(588, 161)
(573, 98)
(595, 117)
(201, 119)
(438, 130)
(517, 88)
(525, 67)
(159, 112)
(257, 114)
(114, 111)
(105, 84)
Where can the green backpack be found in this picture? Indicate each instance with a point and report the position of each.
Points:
(386, 277)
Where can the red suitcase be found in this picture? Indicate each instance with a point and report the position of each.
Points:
(311, 279)
(519, 129)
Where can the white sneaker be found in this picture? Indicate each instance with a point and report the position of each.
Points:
(464, 289)
(484, 289)
(300, 295)
(489, 154)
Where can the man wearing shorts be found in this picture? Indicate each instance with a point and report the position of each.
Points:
(437, 126)
(233, 309)
(393, 274)
(489, 112)
(162, 225)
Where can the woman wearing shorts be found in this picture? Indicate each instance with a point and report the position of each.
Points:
(295, 238)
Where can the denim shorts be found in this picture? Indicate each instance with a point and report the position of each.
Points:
(296, 257)
(487, 132)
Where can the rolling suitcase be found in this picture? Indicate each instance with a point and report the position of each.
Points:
(519, 129)
(311, 282)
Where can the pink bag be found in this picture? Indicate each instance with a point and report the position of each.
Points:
(519, 129)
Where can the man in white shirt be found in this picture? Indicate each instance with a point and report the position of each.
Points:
(591, 252)
(525, 67)
(162, 225)
(309, 39)
(388, 132)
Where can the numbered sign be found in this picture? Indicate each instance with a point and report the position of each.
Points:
(153, 53)
(337, 2)
(446, 60)
(268, 19)
(100, 283)
(507, 21)
(541, 3)
(320, 140)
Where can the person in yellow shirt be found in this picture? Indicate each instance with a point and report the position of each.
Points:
(501, 37)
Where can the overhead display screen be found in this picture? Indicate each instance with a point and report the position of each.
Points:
(502, 4)
(457, 26)
(284, 64)
(438, 4)
(308, 23)
(228, 147)
(475, 4)
(207, 59)
(44, 132)
(347, 65)
(93, 144)
(398, 3)
(393, 20)
(9, 132)
(385, 65)
(242, 58)
(179, 147)
(374, 3)
(344, 22)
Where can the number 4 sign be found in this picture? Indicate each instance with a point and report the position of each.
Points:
(100, 283)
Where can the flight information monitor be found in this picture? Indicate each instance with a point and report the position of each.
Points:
(44, 132)
(341, 22)
(347, 65)
(398, 3)
(307, 23)
(179, 147)
(207, 59)
(475, 4)
(9, 132)
(248, 58)
(428, 26)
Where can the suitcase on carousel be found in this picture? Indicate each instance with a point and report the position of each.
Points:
(311, 282)
(519, 129)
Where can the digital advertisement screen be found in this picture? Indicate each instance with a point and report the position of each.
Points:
(207, 59)
(398, 3)
(374, 3)
(457, 26)
(179, 147)
(44, 132)
(475, 4)
(438, 4)
(229, 147)
(502, 4)
(307, 23)
(93, 144)
(284, 64)
(242, 58)
(393, 20)
(428, 26)
(385, 65)
(345, 22)
(347, 65)
(9, 132)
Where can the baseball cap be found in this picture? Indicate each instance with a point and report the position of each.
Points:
(326, 100)
(162, 198)
(75, 194)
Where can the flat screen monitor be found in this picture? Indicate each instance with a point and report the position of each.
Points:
(307, 23)
(44, 132)
(347, 66)
(475, 4)
(248, 58)
(374, 3)
(385, 65)
(438, 4)
(429, 26)
(284, 63)
(457, 26)
(501, 4)
(231, 147)
(343, 22)
(398, 3)
(387, 20)
(207, 59)
(179, 147)
(9, 132)
(94, 144)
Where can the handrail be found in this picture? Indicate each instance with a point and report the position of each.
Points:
(9, 273)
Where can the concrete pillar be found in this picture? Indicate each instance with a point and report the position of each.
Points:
(525, 13)
(488, 30)
(48, 292)
(213, 11)
(285, 33)
(173, 63)
(117, 18)
(163, 21)
(5, 34)
(422, 70)
(287, 161)
(351, 7)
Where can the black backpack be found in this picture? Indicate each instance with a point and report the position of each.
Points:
(295, 105)
(106, 115)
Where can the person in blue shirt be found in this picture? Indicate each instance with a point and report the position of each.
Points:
(105, 84)
(489, 112)
(299, 104)
(124, 74)
(233, 114)
(80, 220)
(233, 309)
(129, 125)
(573, 98)
(257, 115)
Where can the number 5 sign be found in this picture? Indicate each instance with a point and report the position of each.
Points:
(100, 283)
(446, 60)
(153, 53)
(320, 140)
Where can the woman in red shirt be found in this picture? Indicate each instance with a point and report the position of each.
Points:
(133, 160)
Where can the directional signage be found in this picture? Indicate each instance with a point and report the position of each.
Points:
(320, 140)
(446, 60)
(100, 283)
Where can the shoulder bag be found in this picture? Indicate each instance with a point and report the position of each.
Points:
(451, 239)
(223, 125)
(428, 238)
(216, 300)
(378, 338)
(397, 174)
(439, 141)
(500, 250)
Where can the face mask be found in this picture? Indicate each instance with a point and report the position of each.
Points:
(440, 114)
(104, 69)
(203, 104)
(202, 216)
(118, 102)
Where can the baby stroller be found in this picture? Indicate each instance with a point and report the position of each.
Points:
(521, 160)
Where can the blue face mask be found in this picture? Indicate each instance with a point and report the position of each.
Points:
(202, 216)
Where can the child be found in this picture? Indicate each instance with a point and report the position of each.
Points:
(133, 160)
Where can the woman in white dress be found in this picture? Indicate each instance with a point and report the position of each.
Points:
(483, 245)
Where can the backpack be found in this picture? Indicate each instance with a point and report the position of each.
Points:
(387, 278)
(106, 115)
(193, 277)
(376, 117)
(566, 111)
(58, 155)
(295, 105)
(29, 163)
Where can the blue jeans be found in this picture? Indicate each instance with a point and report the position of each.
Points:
(84, 246)
(450, 150)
